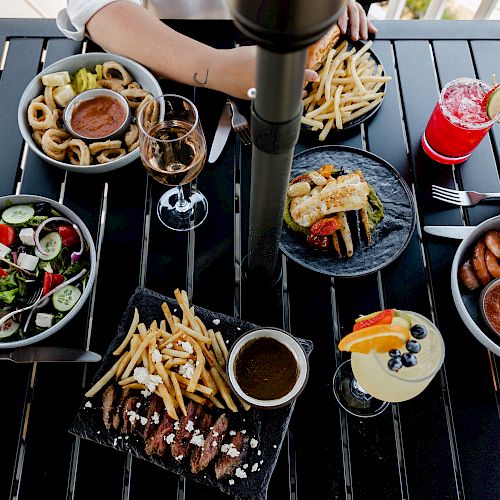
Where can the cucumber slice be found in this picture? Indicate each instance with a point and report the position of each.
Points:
(66, 298)
(51, 244)
(18, 214)
(8, 328)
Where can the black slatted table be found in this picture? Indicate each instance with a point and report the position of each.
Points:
(443, 444)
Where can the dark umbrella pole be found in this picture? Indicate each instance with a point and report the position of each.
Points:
(276, 115)
(283, 29)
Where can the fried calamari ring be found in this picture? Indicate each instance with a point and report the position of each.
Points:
(133, 85)
(97, 147)
(78, 152)
(109, 155)
(131, 135)
(37, 137)
(49, 97)
(113, 84)
(151, 113)
(40, 98)
(57, 115)
(134, 96)
(55, 143)
(40, 116)
(111, 69)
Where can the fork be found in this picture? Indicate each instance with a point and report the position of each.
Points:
(462, 198)
(32, 302)
(240, 124)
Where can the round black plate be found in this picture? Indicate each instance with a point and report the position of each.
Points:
(389, 238)
(354, 123)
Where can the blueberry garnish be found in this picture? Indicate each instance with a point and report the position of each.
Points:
(408, 359)
(394, 353)
(395, 364)
(418, 331)
(413, 346)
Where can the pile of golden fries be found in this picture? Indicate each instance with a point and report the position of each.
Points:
(163, 353)
(348, 88)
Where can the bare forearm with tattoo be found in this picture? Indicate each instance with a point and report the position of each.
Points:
(128, 29)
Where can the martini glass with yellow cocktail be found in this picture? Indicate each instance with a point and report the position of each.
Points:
(394, 356)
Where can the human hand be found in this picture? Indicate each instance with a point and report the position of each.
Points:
(355, 16)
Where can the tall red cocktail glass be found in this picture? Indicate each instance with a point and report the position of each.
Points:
(459, 121)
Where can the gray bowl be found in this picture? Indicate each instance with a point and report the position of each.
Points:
(5, 201)
(462, 252)
(72, 64)
(484, 291)
(92, 94)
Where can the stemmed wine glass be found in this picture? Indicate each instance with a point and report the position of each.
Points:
(173, 151)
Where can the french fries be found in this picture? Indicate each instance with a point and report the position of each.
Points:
(348, 88)
(187, 362)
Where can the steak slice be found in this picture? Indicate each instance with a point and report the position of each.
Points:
(205, 421)
(157, 443)
(129, 406)
(155, 406)
(108, 405)
(213, 442)
(231, 456)
(118, 411)
(181, 446)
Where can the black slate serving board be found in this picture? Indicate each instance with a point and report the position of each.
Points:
(389, 238)
(268, 427)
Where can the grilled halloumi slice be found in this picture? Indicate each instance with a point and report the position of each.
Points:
(347, 192)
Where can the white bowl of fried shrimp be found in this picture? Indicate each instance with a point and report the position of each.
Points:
(41, 109)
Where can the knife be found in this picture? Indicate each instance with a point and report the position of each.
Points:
(221, 134)
(454, 232)
(51, 355)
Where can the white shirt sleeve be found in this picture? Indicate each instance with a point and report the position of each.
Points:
(72, 20)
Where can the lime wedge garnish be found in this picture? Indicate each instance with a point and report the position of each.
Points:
(493, 104)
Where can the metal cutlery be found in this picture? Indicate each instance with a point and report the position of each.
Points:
(50, 354)
(240, 124)
(462, 198)
(221, 134)
(453, 232)
(32, 302)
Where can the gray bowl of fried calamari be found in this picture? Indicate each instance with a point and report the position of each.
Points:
(41, 110)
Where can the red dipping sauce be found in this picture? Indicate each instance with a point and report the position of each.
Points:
(97, 118)
(491, 305)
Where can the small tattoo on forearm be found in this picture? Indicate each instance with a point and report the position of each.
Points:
(198, 82)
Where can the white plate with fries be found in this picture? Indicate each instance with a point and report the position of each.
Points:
(351, 89)
(158, 336)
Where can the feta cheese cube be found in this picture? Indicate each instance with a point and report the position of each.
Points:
(27, 236)
(4, 250)
(27, 262)
(44, 320)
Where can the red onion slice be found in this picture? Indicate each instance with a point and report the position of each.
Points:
(39, 230)
(76, 255)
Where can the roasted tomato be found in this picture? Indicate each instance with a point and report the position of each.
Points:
(300, 178)
(318, 242)
(326, 170)
(325, 226)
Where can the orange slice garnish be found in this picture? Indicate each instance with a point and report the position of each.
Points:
(380, 338)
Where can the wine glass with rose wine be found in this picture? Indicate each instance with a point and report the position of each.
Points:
(173, 151)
